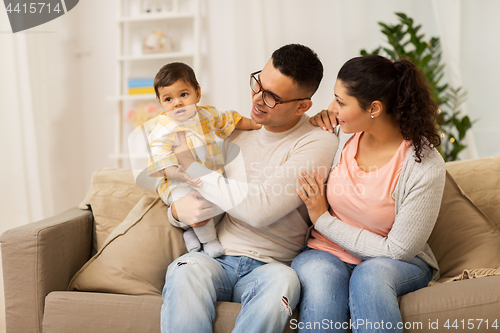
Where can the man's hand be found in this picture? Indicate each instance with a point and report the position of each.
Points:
(193, 210)
(325, 119)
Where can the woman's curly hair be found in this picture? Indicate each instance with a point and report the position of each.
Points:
(402, 89)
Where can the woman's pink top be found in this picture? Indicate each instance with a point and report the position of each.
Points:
(361, 199)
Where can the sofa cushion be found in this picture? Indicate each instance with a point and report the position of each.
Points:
(479, 179)
(134, 258)
(111, 196)
(462, 302)
(463, 237)
(97, 312)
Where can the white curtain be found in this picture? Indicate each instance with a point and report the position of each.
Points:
(21, 195)
(449, 21)
(40, 132)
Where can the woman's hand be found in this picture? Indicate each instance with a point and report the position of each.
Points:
(315, 199)
(182, 152)
(325, 119)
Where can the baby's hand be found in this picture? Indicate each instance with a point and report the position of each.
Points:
(254, 125)
(247, 124)
(181, 174)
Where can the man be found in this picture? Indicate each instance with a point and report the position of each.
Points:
(266, 222)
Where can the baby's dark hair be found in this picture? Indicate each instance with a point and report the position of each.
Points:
(171, 73)
(301, 64)
(402, 89)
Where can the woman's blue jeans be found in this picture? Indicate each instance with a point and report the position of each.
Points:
(268, 293)
(332, 290)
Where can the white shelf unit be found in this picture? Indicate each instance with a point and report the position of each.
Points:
(178, 19)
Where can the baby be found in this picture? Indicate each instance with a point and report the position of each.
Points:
(178, 92)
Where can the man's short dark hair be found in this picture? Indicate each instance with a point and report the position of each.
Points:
(301, 64)
(171, 73)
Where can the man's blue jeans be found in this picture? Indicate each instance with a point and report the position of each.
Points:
(333, 289)
(268, 293)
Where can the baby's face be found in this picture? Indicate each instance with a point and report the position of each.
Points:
(179, 100)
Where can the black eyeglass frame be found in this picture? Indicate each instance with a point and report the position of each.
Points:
(252, 76)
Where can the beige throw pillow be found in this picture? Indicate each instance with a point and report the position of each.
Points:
(111, 196)
(479, 178)
(134, 258)
(463, 238)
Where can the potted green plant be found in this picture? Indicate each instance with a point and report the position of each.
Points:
(404, 41)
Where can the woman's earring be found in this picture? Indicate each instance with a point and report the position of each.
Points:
(372, 116)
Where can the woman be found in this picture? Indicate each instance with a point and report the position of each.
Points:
(371, 225)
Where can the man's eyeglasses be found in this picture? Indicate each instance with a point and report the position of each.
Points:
(268, 97)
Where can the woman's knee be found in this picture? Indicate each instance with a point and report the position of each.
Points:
(315, 265)
(393, 276)
(323, 277)
(374, 274)
(376, 266)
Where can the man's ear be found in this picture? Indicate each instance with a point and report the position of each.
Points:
(304, 105)
(376, 109)
(198, 94)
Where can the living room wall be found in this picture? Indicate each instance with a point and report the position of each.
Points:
(57, 124)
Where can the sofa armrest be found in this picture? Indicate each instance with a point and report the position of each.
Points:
(39, 258)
